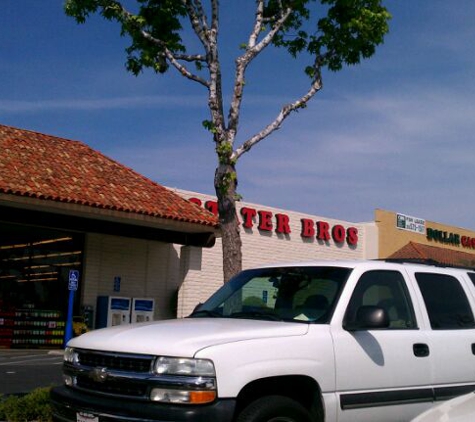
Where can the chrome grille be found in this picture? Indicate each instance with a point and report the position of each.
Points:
(130, 388)
(117, 362)
(112, 374)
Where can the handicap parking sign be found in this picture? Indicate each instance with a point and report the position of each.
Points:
(73, 280)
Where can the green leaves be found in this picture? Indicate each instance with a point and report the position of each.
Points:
(332, 32)
(209, 126)
(224, 151)
(81, 9)
(159, 18)
(348, 32)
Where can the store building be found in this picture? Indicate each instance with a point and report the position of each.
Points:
(73, 220)
(67, 209)
(409, 238)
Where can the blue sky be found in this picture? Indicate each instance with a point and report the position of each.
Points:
(395, 132)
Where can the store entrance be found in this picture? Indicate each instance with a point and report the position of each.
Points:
(34, 270)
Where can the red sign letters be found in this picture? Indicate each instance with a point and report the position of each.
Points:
(280, 223)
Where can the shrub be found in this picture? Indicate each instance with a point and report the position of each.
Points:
(34, 406)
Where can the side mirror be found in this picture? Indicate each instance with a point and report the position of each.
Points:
(368, 318)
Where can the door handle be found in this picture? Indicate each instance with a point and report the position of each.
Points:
(421, 350)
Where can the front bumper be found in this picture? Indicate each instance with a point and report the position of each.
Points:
(66, 403)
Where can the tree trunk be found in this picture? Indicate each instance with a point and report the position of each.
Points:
(225, 183)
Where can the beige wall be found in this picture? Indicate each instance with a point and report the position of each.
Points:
(392, 238)
(147, 269)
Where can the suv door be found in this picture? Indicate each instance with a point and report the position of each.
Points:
(385, 373)
(452, 332)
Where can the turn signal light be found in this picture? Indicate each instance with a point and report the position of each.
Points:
(201, 397)
(168, 395)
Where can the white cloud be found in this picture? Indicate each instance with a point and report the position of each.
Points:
(165, 101)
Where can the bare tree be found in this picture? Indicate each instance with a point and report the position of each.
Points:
(328, 33)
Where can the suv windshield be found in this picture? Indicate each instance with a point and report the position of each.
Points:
(299, 294)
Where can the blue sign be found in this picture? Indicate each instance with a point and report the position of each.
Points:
(117, 284)
(264, 296)
(73, 283)
(73, 280)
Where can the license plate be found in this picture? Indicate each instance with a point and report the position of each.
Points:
(86, 417)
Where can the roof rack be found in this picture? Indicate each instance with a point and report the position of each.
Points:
(425, 262)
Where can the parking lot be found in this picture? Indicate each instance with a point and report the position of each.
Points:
(24, 370)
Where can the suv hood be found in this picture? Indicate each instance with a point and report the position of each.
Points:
(183, 337)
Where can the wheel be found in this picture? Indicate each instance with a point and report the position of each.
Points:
(274, 409)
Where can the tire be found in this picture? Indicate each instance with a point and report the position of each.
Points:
(274, 409)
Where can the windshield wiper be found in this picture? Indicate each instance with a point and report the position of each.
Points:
(256, 314)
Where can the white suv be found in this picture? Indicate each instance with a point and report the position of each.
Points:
(323, 341)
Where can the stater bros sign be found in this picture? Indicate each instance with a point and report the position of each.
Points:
(413, 224)
(268, 221)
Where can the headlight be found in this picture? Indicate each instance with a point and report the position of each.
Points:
(190, 381)
(183, 366)
(70, 355)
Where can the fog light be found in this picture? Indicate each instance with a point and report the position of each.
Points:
(169, 396)
(68, 380)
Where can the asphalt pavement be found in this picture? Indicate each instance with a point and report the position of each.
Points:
(21, 371)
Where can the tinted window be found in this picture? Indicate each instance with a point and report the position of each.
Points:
(446, 302)
(384, 289)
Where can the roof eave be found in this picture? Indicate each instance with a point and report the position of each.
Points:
(174, 231)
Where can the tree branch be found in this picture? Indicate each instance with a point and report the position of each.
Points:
(214, 15)
(315, 87)
(215, 97)
(198, 20)
(190, 57)
(173, 59)
(257, 24)
(252, 50)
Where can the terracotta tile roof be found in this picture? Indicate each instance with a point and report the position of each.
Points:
(55, 169)
(418, 252)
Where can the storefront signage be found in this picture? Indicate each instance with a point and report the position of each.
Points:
(468, 242)
(443, 237)
(267, 221)
(448, 238)
(413, 224)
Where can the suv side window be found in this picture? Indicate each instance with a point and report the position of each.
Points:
(446, 301)
(385, 289)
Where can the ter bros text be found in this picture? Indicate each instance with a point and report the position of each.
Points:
(267, 221)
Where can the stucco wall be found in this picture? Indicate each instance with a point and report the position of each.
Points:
(146, 268)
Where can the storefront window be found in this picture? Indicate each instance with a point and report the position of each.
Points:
(34, 271)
